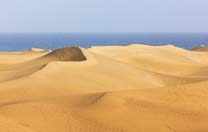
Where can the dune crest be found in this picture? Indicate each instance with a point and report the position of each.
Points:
(16, 71)
(37, 49)
(66, 54)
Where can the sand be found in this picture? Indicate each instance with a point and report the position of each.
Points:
(134, 88)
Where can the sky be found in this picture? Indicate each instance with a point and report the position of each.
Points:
(103, 16)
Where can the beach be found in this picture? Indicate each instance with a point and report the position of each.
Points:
(132, 88)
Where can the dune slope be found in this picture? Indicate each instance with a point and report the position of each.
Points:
(135, 88)
(15, 71)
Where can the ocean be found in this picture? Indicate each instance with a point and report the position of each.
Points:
(24, 41)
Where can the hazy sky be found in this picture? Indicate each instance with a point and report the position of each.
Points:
(103, 15)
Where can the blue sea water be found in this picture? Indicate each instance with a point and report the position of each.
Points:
(24, 41)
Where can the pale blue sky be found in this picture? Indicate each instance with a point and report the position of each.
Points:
(103, 15)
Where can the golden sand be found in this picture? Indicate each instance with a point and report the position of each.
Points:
(135, 88)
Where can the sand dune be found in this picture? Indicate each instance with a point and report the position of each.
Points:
(135, 88)
(15, 71)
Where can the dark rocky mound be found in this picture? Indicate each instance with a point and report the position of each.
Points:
(65, 54)
(201, 48)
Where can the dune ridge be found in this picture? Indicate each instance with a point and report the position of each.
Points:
(10, 72)
(65, 54)
(105, 89)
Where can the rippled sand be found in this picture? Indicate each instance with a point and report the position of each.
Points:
(135, 88)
